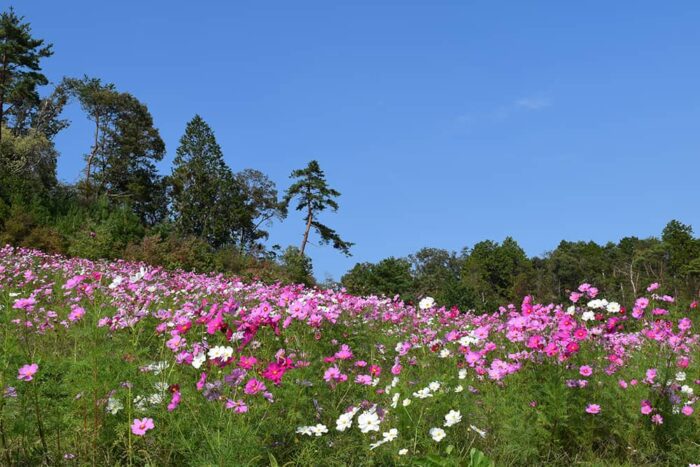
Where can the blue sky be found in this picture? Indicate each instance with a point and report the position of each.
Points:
(441, 123)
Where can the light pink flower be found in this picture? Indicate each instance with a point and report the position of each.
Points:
(140, 427)
(27, 372)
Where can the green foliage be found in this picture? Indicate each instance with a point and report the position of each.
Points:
(297, 267)
(391, 276)
(206, 199)
(125, 148)
(20, 70)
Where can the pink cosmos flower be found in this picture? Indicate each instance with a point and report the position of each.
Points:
(687, 410)
(247, 362)
(653, 287)
(657, 419)
(331, 373)
(375, 370)
(76, 313)
(238, 406)
(585, 370)
(26, 373)
(344, 353)
(646, 408)
(202, 380)
(24, 304)
(593, 409)
(254, 386)
(174, 401)
(140, 427)
(575, 296)
(685, 324)
(363, 379)
(396, 369)
(580, 333)
(651, 374)
(274, 372)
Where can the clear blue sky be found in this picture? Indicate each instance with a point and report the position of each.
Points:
(441, 123)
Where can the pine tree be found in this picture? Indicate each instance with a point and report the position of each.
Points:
(206, 200)
(314, 196)
(20, 72)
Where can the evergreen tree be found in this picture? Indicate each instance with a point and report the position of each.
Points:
(20, 71)
(206, 200)
(315, 196)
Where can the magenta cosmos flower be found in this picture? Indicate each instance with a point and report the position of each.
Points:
(585, 370)
(593, 409)
(140, 427)
(26, 373)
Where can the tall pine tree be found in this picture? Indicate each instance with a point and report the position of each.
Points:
(315, 196)
(206, 200)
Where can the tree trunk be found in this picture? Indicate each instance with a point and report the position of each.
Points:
(3, 78)
(306, 233)
(92, 155)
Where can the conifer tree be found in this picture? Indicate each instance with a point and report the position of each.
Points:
(206, 200)
(315, 196)
(20, 71)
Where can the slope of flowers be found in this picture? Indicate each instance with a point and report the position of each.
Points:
(115, 362)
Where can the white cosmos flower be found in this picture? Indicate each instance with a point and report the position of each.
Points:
(571, 310)
(345, 420)
(390, 435)
(116, 282)
(438, 434)
(198, 360)
(469, 339)
(434, 386)
(685, 389)
(403, 452)
(368, 421)
(426, 303)
(423, 393)
(613, 307)
(318, 430)
(481, 433)
(114, 405)
(444, 353)
(680, 376)
(304, 430)
(406, 402)
(395, 400)
(462, 373)
(595, 304)
(453, 417)
(588, 316)
(459, 388)
(220, 351)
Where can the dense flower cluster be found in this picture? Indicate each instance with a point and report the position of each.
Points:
(219, 332)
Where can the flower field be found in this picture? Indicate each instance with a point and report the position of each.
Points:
(116, 363)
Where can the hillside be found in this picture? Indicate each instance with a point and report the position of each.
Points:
(122, 363)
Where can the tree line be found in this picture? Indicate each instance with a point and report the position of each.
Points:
(201, 216)
(491, 274)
